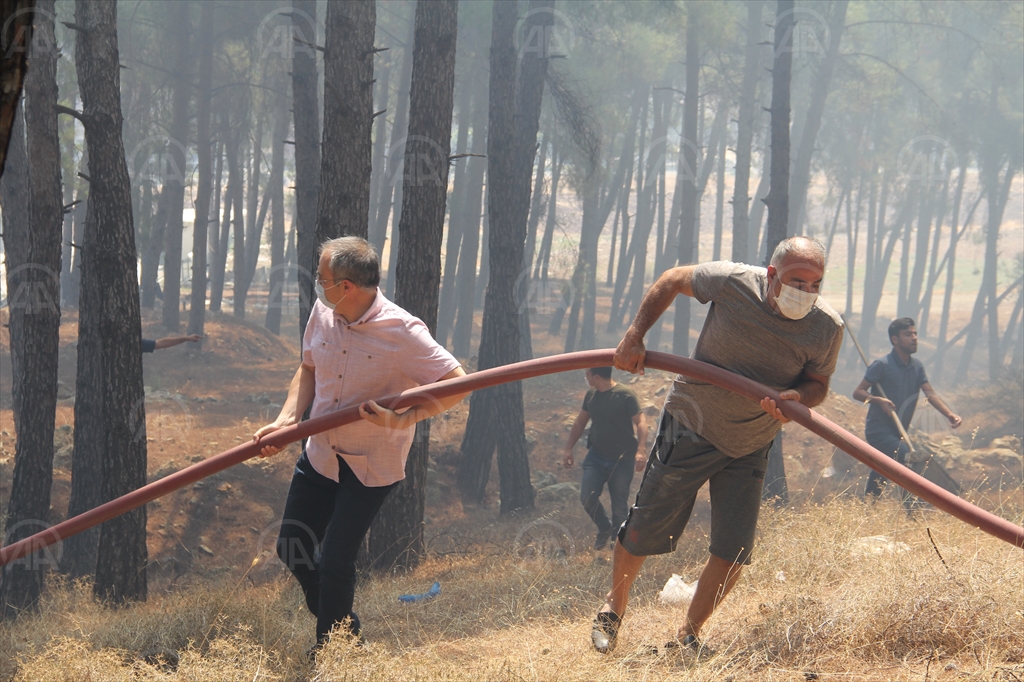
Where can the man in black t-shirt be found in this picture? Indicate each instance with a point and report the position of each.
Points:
(613, 451)
(902, 378)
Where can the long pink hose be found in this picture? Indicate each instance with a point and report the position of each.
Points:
(841, 438)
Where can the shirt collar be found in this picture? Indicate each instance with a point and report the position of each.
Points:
(373, 310)
(899, 363)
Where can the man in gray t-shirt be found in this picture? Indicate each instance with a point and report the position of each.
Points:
(768, 325)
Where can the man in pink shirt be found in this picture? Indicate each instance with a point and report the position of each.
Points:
(358, 345)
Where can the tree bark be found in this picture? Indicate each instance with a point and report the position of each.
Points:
(305, 106)
(110, 414)
(462, 331)
(204, 171)
(17, 37)
(38, 315)
(396, 538)
(496, 416)
(819, 94)
(275, 191)
(688, 203)
(777, 200)
(176, 175)
(453, 242)
(396, 162)
(344, 203)
(745, 135)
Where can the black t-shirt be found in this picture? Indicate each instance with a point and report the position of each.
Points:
(611, 418)
(902, 384)
(148, 345)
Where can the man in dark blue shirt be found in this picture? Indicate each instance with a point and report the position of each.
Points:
(901, 378)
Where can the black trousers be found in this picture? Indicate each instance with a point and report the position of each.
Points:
(334, 518)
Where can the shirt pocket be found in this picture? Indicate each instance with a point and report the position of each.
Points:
(372, 357)
(322, 348)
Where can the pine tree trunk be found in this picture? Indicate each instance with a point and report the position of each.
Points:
(344, 202)
(396, 538)
(777, 200)
(176, 177)
(220, 240)
(466, 275)
(18, 17)
(745, 135)
(204, 171)
(28, 509)
(14, 198)
(110, 415)
(496, 416)
(819, 94)
(453, 242)
(377, 178)
(716, 253)
(306, 107)
(275, 192)
(396, 162)
(688, 204)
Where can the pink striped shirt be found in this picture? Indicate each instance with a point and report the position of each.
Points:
(384, 352)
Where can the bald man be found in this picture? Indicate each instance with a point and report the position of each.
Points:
(767, 324)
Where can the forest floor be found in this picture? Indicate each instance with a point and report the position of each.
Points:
(840, 589)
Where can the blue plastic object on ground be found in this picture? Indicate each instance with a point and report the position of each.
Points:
(434, 590)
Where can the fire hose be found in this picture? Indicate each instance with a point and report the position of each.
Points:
(841, 438)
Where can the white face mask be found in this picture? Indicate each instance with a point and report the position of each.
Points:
(794, 303)
(322, 296)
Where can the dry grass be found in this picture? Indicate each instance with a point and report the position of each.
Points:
(815, 602)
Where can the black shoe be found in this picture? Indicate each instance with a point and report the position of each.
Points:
(690, 644)
(604, 537)
(605, 631)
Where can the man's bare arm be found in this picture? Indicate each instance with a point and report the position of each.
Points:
(300, 395)
(940, 405)
(629, 355)
(574, 435)
(811, 390)
(861, 395)
(384, 417)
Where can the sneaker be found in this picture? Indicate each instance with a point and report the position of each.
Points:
(605, 631)
(604, 537)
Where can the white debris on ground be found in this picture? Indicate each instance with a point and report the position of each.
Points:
(874, 545)
(677, 591)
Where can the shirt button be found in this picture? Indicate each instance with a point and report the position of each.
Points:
(335, 400)
(339, 376)
(343, 352)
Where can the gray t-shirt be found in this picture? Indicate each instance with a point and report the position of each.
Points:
(744, 335)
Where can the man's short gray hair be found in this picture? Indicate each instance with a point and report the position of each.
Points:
(802, 247)
(354, 259)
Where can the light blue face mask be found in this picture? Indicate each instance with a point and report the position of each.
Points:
(322, 296)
